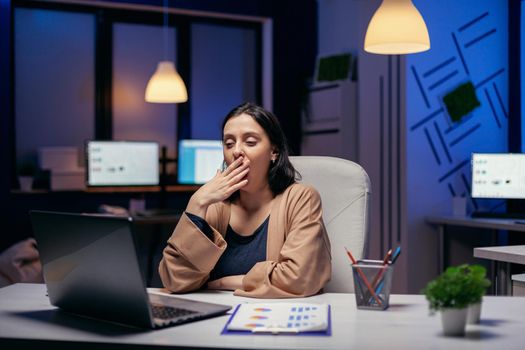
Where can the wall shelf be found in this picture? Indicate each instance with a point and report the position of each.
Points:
(330, 121)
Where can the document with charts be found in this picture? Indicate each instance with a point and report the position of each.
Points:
(280, 318)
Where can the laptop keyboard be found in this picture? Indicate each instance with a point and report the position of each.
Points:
(167, 312)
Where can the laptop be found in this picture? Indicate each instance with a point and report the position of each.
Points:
(91, 269)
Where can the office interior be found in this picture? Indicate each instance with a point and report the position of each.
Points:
(77, 70)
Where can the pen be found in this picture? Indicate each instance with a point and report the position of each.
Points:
(378, 290)
(396, 255)
(363, 277)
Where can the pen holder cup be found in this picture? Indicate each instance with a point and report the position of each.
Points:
(372, 275)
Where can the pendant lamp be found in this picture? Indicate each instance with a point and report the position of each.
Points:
(166, 85)
(396, 28)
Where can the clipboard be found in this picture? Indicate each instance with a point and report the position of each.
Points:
(277, 331)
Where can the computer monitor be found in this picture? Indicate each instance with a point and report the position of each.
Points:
(498, 175)
(122, 163)
(198, 161)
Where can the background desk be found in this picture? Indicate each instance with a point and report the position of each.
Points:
(504, 256)
(27, 320)
(487, 224)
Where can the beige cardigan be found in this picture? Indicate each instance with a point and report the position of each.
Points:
(298, 250)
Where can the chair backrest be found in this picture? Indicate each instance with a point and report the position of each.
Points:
(344, 187)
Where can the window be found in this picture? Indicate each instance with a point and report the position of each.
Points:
(223, 71)
(81, 73)
(137, 49)
(54, 79)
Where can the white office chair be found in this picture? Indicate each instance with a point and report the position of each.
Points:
(344, 187)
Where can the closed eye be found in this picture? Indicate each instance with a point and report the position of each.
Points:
(251, 141)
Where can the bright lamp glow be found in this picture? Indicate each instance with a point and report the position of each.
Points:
(396, 28)
(166, 85)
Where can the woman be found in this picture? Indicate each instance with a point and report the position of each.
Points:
(251, 228)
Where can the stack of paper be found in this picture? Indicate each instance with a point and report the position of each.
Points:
(63, 164)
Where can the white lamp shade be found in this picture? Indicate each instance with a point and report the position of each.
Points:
(166, 85)
(396, 28)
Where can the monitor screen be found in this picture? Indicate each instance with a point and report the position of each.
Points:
(198, 161)
(122, 163)
(498, 175)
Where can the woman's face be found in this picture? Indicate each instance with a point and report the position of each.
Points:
(243, 136)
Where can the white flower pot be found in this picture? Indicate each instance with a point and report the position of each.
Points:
(26, 183)
(454, 321)
(474, 313)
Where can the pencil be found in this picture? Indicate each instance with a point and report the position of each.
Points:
(363, 277)
(381, 283)
(387, 256)
(376, 280)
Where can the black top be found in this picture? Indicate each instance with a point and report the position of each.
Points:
(242, 252)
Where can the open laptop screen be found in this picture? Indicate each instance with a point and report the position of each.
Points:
(498, 175)
(198, 160)
(122, 163)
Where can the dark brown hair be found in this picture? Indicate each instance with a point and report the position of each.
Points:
(281, 174)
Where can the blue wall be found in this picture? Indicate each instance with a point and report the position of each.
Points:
(468, 43)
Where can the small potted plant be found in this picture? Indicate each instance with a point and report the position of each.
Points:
(480, 283)
(453, 292)
(26, 172)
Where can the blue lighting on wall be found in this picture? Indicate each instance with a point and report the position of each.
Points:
(469, 48)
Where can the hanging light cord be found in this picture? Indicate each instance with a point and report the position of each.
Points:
(165, 30)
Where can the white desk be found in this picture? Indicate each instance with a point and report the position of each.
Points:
(28, 320)
(504, 256)
(487, 224)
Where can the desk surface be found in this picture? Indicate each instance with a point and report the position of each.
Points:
(511, 253)
(494, 224)
(25, 314)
